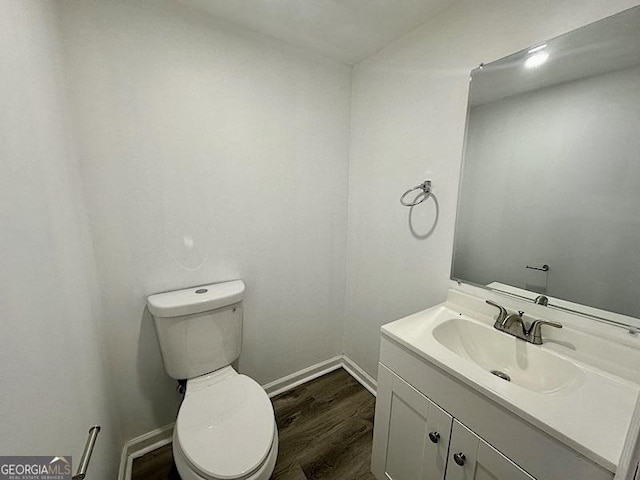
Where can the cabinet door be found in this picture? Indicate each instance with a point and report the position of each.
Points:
(471, 458)
(411, 434)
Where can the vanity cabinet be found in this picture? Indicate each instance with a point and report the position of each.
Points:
(411, 440)
(415, 439)
(416, 398)
(471, 458)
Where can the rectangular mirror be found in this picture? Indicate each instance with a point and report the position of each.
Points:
(550, 189)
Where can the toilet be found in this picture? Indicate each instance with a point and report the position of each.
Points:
(226, 428)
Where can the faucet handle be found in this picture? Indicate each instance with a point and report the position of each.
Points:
(503, 311)
(535, 333)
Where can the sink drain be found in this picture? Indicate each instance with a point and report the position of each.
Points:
(502, 375)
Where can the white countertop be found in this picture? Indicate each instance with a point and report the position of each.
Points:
(592, 416)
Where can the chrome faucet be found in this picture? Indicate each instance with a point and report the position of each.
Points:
(513, 324)
(503, 312)
(534, 334)
(541, 300)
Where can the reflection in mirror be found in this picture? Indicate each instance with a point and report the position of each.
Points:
(550, 190)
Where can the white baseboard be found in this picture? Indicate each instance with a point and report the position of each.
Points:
(303, 376)
(366, 380)
(139, 446)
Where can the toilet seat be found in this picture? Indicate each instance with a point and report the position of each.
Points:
(225, 427)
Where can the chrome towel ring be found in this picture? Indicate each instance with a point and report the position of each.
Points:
(426, 192)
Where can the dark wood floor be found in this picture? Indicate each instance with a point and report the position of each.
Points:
(325, 429)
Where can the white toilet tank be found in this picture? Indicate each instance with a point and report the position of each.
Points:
(200, 328)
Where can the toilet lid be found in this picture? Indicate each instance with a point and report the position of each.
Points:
(225, 429)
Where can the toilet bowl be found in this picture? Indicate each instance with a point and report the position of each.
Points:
(225, 429)
(188, 473)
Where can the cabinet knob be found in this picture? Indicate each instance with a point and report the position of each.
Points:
(434, 437)
(459, 458)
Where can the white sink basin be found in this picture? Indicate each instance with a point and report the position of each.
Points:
(527, 365)
(552, 386)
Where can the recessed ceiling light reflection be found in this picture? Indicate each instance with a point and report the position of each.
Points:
(538, 48)
(534, 61)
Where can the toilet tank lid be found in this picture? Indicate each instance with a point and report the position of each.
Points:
(196, 299)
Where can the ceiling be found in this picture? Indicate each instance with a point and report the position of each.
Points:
(345, 30)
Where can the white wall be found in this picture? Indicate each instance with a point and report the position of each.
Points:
(551, 177)
(408, 116)
(208, 154)
(52, 367)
